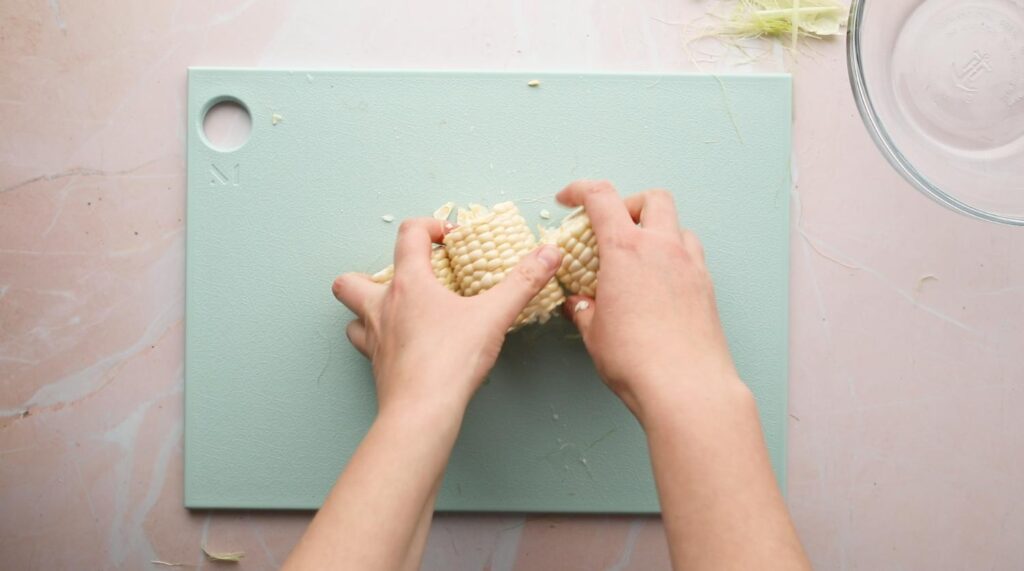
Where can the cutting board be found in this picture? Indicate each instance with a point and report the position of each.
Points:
(276, 400)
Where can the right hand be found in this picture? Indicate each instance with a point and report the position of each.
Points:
(653, 329)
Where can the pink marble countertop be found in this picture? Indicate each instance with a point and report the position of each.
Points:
(907, 424)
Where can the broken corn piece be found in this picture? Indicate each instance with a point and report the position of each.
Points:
(575, 237)
(485, 246)
(439, 263)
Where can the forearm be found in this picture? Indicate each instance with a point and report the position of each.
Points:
(721, 506)
(370, 518)
(414, 554)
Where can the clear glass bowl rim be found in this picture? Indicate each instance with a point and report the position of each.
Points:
(881, 137)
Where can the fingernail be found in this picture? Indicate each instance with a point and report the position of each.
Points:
(550, 256)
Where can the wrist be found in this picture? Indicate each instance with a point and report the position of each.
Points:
(428, 415)
(430, 391)
(672, 396)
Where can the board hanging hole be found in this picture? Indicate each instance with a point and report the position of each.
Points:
(226, 124)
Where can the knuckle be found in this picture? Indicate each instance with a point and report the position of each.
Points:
(692, 244)
(407, 226)
(672, 247)
(401, 283)
(602, 187)
(529, 272)
(677, 250)
(350, 329)
(622, 239)
(660, 195)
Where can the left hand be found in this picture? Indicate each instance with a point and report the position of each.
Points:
(427, 344)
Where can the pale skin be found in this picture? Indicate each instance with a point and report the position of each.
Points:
(655, 337)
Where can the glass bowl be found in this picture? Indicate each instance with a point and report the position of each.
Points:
(940, 86)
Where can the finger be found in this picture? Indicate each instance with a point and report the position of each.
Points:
(357, 292)
(416, 237)
(521, 284)
(356, 332)
(654, 210)
(580, 309)
(601, 201)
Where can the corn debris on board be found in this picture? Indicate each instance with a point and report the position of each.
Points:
(575, 237)
(487, 244)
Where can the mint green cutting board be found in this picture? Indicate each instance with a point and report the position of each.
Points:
(277, 400)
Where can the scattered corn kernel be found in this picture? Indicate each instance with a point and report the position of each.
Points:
(444, 211)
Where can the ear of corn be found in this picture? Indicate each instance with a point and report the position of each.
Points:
(485, 246)
(488, 243)
(580, 262)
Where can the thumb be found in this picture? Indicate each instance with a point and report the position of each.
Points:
(521, 284)
(580, 309)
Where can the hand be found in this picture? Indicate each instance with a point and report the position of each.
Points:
(654, 327)
(656, 339)
(427, 344)
(430, 350)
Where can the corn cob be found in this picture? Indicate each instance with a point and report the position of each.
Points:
(575, 237)
(485, 246)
